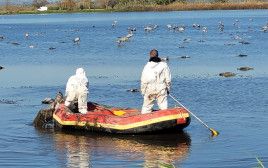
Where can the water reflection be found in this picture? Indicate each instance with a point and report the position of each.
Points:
(85, 149)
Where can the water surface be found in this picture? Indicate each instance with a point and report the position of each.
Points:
(236, 107)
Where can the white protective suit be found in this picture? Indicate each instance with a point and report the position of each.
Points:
(77, 89)
(155, 82)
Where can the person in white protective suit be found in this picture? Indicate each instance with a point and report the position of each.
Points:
(77, 89)
(155, 83)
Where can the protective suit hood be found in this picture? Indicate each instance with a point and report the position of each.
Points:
(80, 72)
(157, 66)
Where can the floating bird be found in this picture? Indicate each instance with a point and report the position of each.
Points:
(229, 44)
(123, 39)
(31, 46)
(165, 59)
(1, 37)
(186, 56)
(52, 48)
(133, 90)
(156, 26)
(48, 100)
(227, 74)
(242, 55)
(264, 28)
(1, 67)
(245, 68)
(76, 40)
(169, 26)
(27, 35)
(148, 29)
(244, 42)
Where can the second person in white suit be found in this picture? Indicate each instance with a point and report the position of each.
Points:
(155, 83)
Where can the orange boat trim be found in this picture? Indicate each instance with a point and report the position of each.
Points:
(121, 127)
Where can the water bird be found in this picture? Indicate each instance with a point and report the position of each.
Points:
(229, 44)
(245, 68)
(1, 37)
(52, 48)
(131, 29)
(244, 42)
(264, 28)
(76, 40)
(165, 59)
(26, 35)
(1, 67)
(181, 29)
(169, 26)
(227, 74)
(187, 40)
(242, 55)
(31, 46)
(48, 100)
(123, 39)
(15, 43)
(186, 56)
(133, 90)
(148, 29)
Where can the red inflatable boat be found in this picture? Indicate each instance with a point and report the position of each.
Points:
(101, 118)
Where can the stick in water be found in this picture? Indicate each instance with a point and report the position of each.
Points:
(214, 133)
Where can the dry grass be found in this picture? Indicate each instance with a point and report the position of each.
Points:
(196, 6)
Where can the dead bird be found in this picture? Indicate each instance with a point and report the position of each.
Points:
(186, 56)
(245, 68)
(165, 59)
(133, 90)
(242, 55)
(76, 40)
(46, 114)
(48, 100)
(244, 42)
(229, 44)
(227, 74)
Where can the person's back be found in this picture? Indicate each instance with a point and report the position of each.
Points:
(155, 83)
(77, 89)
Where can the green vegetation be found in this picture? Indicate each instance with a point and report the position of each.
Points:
(83, 6)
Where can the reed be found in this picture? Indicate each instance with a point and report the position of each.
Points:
(135, 6)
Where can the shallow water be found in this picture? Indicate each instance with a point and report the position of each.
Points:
(236, 106)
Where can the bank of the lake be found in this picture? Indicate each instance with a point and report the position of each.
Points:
(139, 7)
